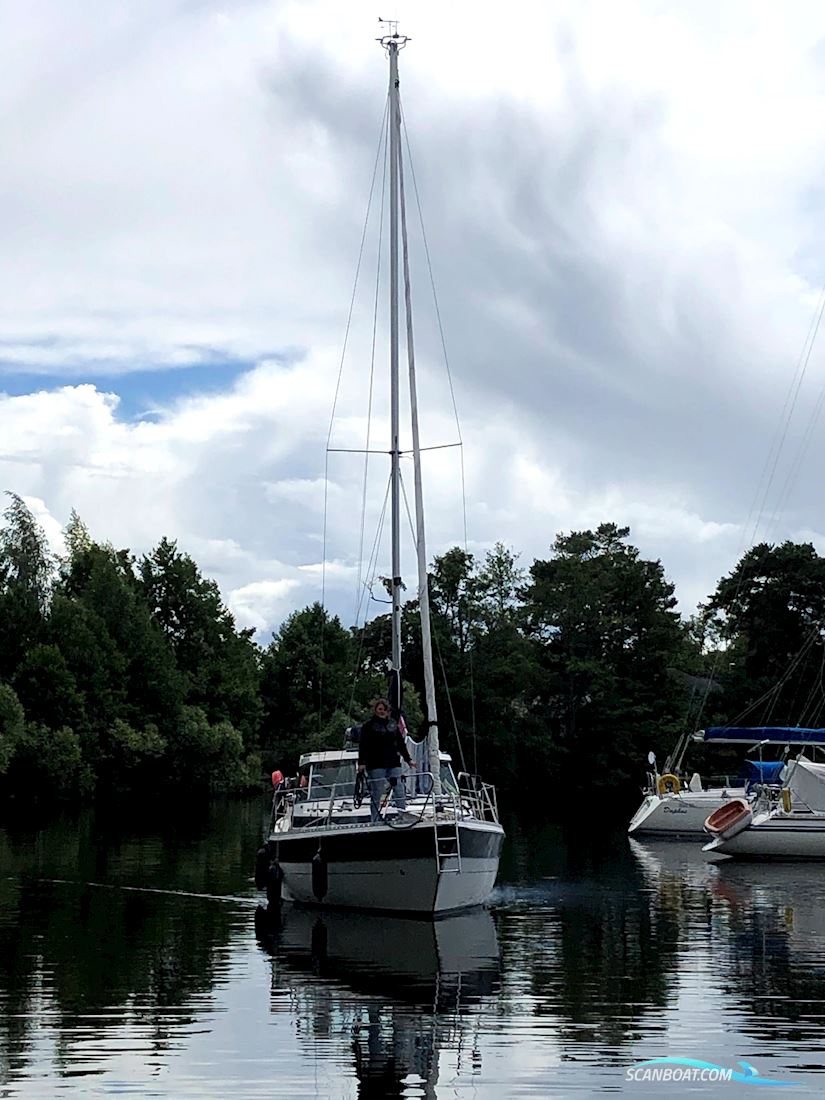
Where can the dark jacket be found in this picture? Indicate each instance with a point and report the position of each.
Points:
(381, 744)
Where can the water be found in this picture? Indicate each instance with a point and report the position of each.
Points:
(139, 965)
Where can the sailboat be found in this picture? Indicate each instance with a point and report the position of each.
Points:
(678, 807)
(442, 854)
(786, 823)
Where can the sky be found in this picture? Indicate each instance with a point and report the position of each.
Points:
(624, 212)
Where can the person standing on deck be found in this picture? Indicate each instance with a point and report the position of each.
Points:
(381, 748)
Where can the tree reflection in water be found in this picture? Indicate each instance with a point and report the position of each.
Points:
(128, 952)
(85, 943)
(762, 927)
(775, 939)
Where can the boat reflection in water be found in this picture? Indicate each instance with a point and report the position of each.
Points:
(783, 899)
(396, 996)
(762, 927)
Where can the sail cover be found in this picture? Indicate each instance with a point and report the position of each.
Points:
(807, 785)
(762, 771)
(774, 735)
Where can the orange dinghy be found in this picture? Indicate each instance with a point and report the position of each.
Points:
(729, 819)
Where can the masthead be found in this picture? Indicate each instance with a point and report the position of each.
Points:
(391, 37)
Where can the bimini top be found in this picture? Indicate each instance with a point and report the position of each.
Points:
(752, 735)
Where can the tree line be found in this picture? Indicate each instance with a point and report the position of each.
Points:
(122, 673)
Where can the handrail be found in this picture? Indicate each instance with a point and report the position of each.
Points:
(480, 803)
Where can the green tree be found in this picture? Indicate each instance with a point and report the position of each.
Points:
(454, 593)
(220, 663)
(103, 581)
(47, 689)
(77, 538)
(128, 758)
(12, 722)
(767, 622)
(49, 760)
(605, 623)
(26, 568)
(91, 655)
(499, 585)
(210, 755)
(306, 676)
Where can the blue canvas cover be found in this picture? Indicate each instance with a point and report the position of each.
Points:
(762, 771)
(774, 735)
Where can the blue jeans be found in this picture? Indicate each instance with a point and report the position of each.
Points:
(378, 778)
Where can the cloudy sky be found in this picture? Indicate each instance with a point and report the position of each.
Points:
(626, 218)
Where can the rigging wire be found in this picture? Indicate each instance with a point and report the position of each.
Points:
(800, 665)
(332, 413)
(372, 374)
(806, 442)
(776, 688)
(430, 271)
(450, 701)
(772, 464)
(816, 716)
(437, 644)
(816, 687)
(452, 398)
(362, 586)
(376, 548)
(782, 428)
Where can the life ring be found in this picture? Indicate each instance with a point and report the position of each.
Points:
(669, 784)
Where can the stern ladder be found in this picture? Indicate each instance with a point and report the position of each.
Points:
(447, 846)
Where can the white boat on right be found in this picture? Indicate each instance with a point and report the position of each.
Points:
(784, 823)
(677, 803)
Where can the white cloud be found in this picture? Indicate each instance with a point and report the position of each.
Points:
(261, 603)
(624, 213)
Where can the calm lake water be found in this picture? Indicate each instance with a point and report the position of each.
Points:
(134, 959)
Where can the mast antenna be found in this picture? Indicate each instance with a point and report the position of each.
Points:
(390, 34)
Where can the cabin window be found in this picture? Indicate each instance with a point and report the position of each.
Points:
(338, 775)
(448, 780)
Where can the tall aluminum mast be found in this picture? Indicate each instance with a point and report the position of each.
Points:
(433, 747)
(392, 43)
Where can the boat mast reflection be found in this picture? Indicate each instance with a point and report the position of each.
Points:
(393, 996)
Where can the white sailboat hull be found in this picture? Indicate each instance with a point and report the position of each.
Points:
(682, 814)
(795, 831)
(780, 837)
(389, 869)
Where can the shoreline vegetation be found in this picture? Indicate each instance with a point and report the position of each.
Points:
(127, 674)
